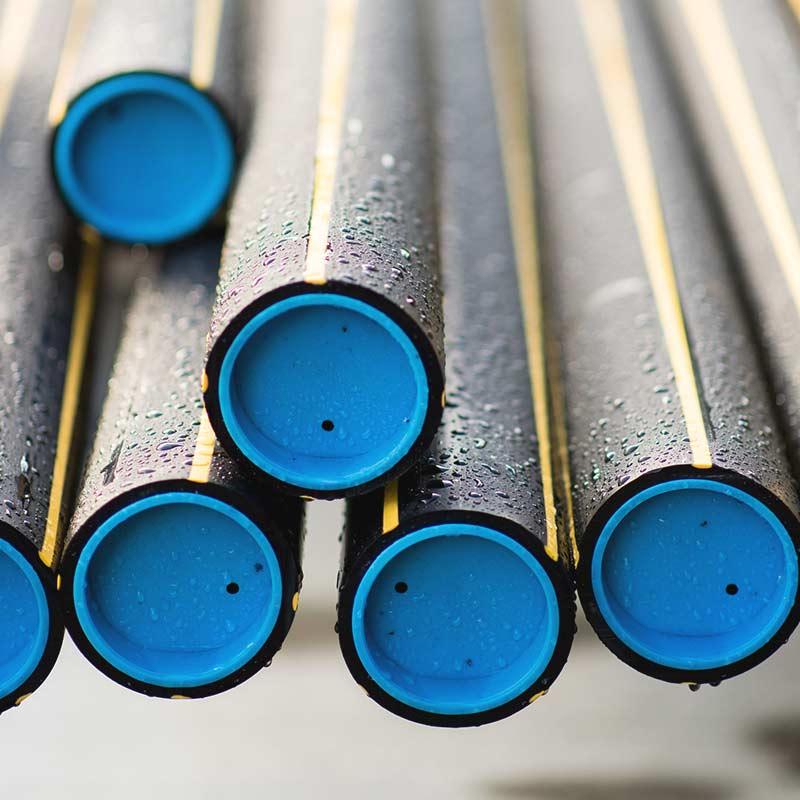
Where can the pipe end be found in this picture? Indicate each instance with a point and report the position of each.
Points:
(177, 590)
(694, 574)
(323, 391)
(143, 157)
(455, 619)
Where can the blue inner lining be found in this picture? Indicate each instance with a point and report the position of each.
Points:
(24, 619)
(144, 157)
(455, 619)
(323, 391)
(694, 574)
(178, 589)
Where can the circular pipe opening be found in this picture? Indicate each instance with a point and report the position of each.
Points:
(24, 619)
(322, 391)
(455, 619)
(177, 589)
(694, 574)
(143, 157)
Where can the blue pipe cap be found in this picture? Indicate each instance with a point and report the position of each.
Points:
(24, 619)
(694, 574)
(455, 619)
(177, 590)
(323, 391)
(144, 157)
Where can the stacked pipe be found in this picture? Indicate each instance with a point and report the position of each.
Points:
(329, 273)
(47, 278)
(685, 510)
(581, 214)
(456, 605)
(143, 115)
(179, 577)
(739, 73)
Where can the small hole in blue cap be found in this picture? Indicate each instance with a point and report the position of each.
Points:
(316, 408)
(455, 619)
(154, 585)
(662, 569)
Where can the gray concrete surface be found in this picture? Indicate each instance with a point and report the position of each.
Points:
(302, 729)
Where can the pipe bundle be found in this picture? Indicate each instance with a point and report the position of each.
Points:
(515, 279)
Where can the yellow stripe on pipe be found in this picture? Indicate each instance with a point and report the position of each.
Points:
(203, 452)
(73, 378)
(562, 451)
(70, 52)
(205, 42)
(509, 81)
(336, 51)
(720, 62)
(605, 33)
(391, 508)
(16, 26)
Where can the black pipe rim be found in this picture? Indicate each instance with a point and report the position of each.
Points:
(433, 369)
(290, 571)
(602, 629)
(565, 597)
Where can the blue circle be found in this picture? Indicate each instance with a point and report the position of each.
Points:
(694, 574)
(323, 391)
(455, 619)
(177, 589)
(144, 157)
(24, 619)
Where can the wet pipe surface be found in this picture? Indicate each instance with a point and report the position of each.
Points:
(655, 411)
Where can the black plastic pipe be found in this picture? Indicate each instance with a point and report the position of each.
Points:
(47, 280)
(143, 149)
(325, 363)
(180, 578)
(685, 509)
(456, 601)
(739, 71)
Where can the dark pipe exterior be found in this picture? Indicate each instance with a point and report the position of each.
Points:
(42, 329)
(484, 467)
(381, 243)
(764, 41)
(152, 439)
(196, 40)
(626, 425)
